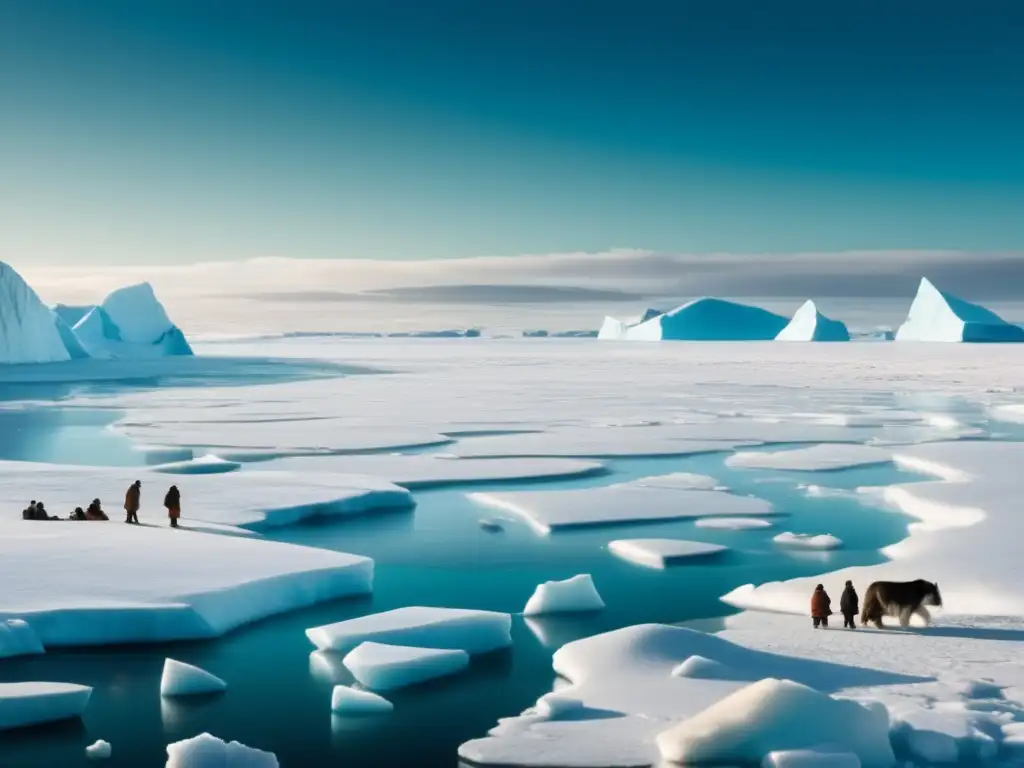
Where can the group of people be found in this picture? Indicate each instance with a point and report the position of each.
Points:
(132, 502)
(821, 606)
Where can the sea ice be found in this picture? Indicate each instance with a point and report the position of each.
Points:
(733, 523)
(660, 553)
(24, 704)
(353, 701)
(554, 705)
(17, 638)
(628, 502)
(100, 750)
(203, 465)
(206, 751)
(808, 324)
(1009, 412)
(938, 316)
(598, 443)
(383, 667)
(705, 319)
(773, 715)
(574, 595)
(808, 540)
(824, 756)
(181, 679)
(28, 333)
(816, 458)
(444, 628)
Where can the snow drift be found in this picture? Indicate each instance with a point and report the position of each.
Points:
(28, 331)
(938, 316)
(808, 324)
(705, 319)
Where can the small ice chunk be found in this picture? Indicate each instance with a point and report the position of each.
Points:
(445, 628)
(17, 638)
(701, 668)
(733, 523)
(660, 553)
(101, 750)
(820, 541)
(554, 705)
(24, 704)
(575, 595)
(383, 667)
(776, 715)
(820, 757)
(352, 701)
(206, 751)
(180, 679)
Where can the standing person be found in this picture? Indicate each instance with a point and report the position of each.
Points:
(132, 500)
(821, 606)
(173, 503)
(849, 606)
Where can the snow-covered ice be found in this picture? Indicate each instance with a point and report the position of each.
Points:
(705, 319)
(99, 750)
(17, 638)
(573, 595)
(206, 751)
(181, 679)
(660, 553)
(733, 523)
(599, 443)
(823, 756)
(25, 704)
(808, 324)
(444, 628)
(554, 705)
(815, 458)
(28, 332)
(628, 502)
(346, 700)
(202, 465)
(382, 667)
(938, 316)
(808, 540)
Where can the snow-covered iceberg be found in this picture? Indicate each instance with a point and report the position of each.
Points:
(28, 331)
(808, 324)
(938, 316)
(705, 319)
(130, 323)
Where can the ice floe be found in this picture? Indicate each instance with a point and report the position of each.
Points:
(28, 331)
(206, 751)
(383, 667)
(816, 458)
(597, 443)
(938, 316)
(17, 638)
(733, 523)
(181, 679)
(99, 750)
(573, 595)
(630, 502)
(444, 628)
(808, 540)
(660, 553)
(808, 324)
(705, 319)
(203, 465)
(346, 700)
(25, 704)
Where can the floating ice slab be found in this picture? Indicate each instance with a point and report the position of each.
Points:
(705, 319)
(660, 553)
(808, 540)
(808, 324)
(206, 751)
(228, 581)
(681, 481)
(24, 704)
(816, 458)
(631, 502)
(938, 316)
(255, 499)
(352, 701)
(386, 667)
(733, 523)
(444, 628)
(181, 679)
(99, 750)
(203, 465)
(17, 638)
(28, 332)
(772, 715)
(821, 757)
(575, 595)
(597, 443)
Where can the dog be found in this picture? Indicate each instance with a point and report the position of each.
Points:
(901, 599)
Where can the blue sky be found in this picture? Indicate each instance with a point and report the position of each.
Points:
(179, 131)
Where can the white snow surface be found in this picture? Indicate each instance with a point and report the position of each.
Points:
(660, 553)
(628, 502)
(733, 523)
(382, 667)
(573, 595)
(938, 316)
(25, 704)
(28, 332)
(17, 638)
(99, 750)
(206, 751)
(444, 628)
(346, 700)
(808, 324)
(808, 540)
(815, 458)
(181, 679)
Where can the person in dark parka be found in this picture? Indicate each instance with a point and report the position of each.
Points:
(173, 503)
(849, 606)
(132, 501)
(821, 606)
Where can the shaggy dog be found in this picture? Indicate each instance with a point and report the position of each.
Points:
(900, 599)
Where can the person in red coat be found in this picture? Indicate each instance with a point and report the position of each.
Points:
(821, 606)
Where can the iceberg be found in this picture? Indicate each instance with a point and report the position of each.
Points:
(352, 701)
(938, 316)
(575, 595)
(660, 553)
(820, 757)
(25, 704)
(705, 319)
(181, 679)
(443, 628)
(71, 314)
(130, 323)
(386, 667)
(28, 332)
(99, 750)
(808, 324)
(71, 342)
(17, 638)
(206, 751)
